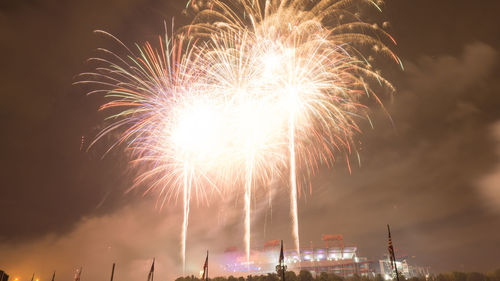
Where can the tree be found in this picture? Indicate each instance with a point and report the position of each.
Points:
(458, 276)
(443, 277)
(495, 275)
(305, 275)
(258, 278)
(272, 277)
(334, 277)
(323, 276)
(475, 276)
(291, 276)
(354, 277)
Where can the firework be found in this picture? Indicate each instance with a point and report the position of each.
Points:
(245, 94)
(186, 133)
(159, 117)
(301, 57)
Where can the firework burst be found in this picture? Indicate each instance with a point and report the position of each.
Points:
(250, 91)
(161, 118)
(304, 58)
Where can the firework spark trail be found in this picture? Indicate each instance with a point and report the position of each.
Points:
(248, 206)
(293, 186)
(186, 201)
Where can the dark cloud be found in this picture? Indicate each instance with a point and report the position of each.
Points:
(44, 45)
(489, 184)
(422, 174)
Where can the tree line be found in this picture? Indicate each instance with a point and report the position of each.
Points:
(305, 275)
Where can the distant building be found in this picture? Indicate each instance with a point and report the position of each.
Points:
(3, 276)
(339, 259)
(403, 266)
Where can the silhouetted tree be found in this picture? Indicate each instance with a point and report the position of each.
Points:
(323, 276)
(305, 275)
(494, 275)
(334, 277)
(475, 276)
(272, 277)
(458, 276)
(444, 277)
(291, 276)
(188, 278)
(354, 277)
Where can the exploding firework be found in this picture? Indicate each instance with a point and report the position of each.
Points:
(168, 128)
(184, 131)
(305, 59)
(249, 92)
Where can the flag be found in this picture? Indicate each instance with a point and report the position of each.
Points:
(282, 256)
(391, 249)
(112, 271)
(205, 270)
(392, 257)
(151, 271)
(54, 275)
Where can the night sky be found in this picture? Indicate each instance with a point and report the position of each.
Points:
(433, 174)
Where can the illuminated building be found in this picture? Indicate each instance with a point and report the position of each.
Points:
(403, 266)
(338, 258)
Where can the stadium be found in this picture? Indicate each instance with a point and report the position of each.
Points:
(334, 257)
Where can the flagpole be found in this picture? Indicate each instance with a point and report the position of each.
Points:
(112, 271)
(391, 253)
(281, 267)
(204, 277)
(54, 276)
(151, 271)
